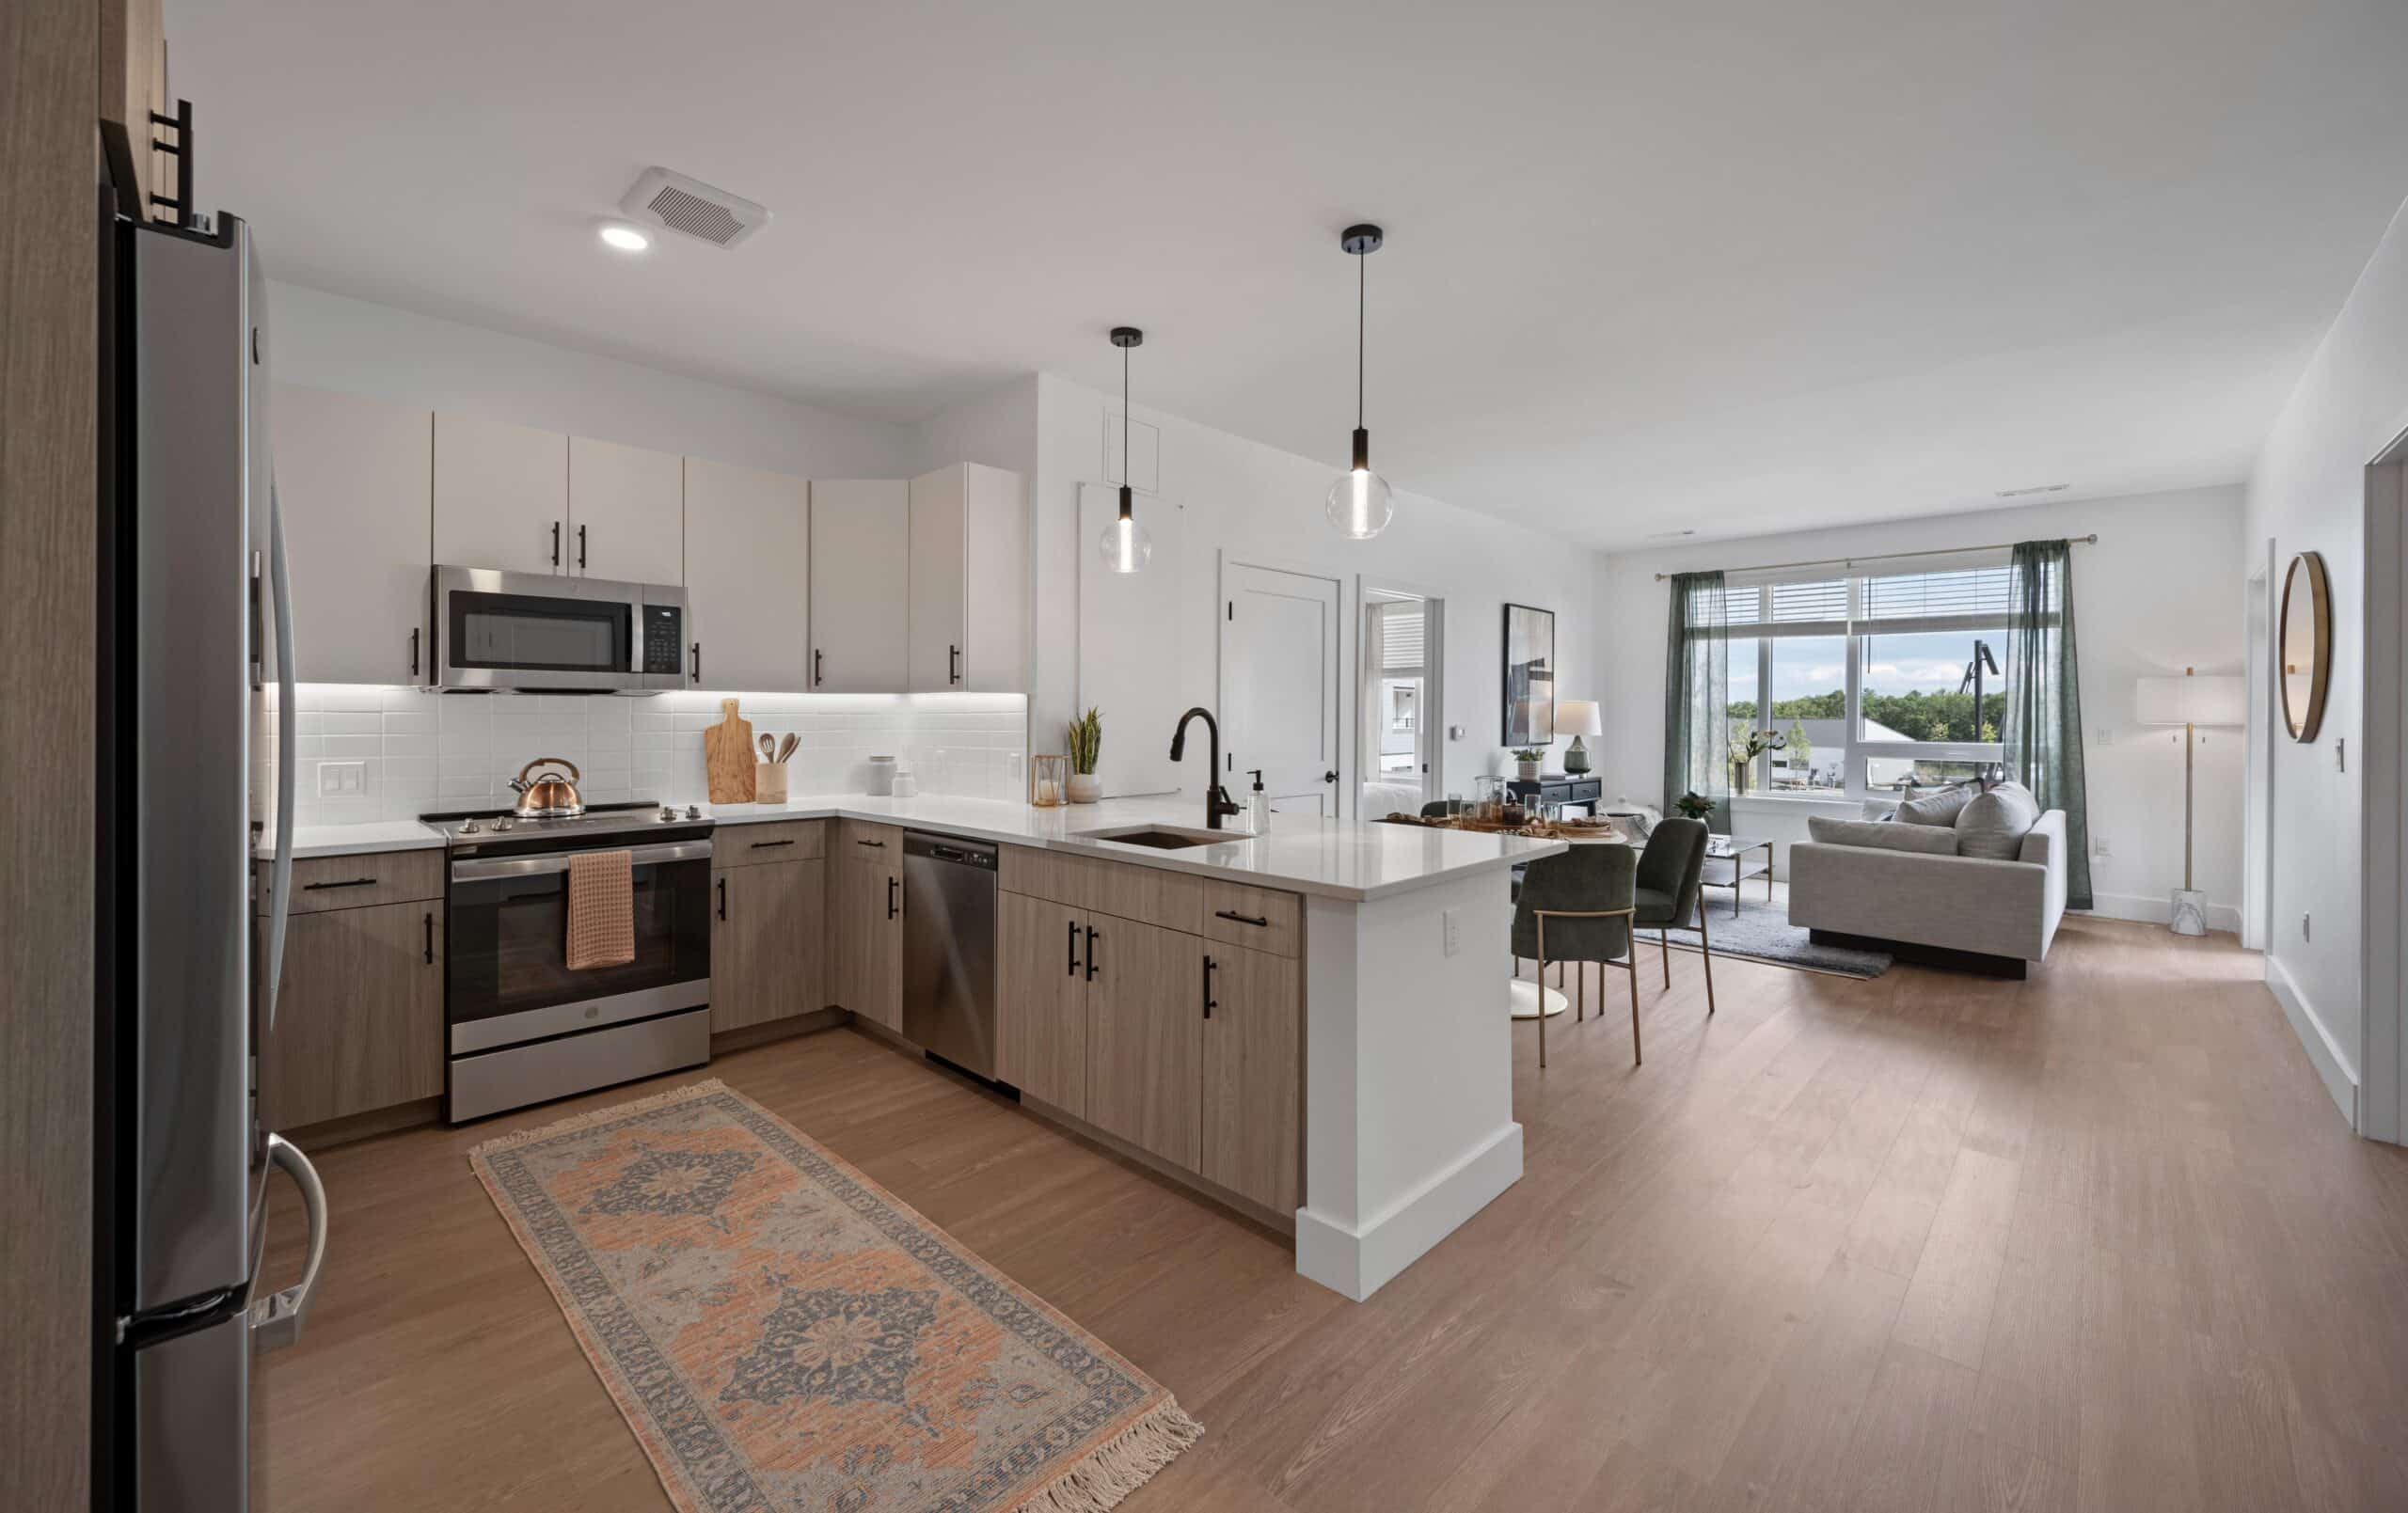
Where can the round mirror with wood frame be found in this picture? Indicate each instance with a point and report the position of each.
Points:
(2306, 648)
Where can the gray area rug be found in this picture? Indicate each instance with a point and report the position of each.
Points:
(1763, 932)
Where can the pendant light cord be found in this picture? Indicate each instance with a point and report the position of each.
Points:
(1362, 307)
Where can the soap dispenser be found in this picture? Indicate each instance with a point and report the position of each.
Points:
(1258, 806)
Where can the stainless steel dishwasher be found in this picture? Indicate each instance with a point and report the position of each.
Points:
(949, 949)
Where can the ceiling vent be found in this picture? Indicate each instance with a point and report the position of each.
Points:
(692, 207)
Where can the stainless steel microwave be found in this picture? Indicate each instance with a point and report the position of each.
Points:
(546, 631)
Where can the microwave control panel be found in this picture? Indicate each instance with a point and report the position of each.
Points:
(664, 637)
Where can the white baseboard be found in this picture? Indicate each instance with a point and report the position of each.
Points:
(2159, 910)
(2340, 1079)
(1356, 1263)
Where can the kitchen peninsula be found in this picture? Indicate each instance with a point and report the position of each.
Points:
(1389, 937)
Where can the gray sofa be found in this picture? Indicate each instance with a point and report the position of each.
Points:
(1973, 913)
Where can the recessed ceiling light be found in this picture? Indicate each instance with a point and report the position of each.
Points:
(624, 237)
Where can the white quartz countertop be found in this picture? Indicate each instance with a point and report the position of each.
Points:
(1301, 855)
(356, 840)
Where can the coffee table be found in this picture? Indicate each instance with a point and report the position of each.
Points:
(1734, 864)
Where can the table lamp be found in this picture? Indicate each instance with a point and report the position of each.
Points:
(2191, 702)
(1577, 718)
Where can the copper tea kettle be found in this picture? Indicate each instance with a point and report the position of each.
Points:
(548, 796)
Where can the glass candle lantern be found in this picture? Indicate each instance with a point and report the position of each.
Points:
(1048, 782)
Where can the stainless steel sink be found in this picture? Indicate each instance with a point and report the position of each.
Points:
(1163, 837)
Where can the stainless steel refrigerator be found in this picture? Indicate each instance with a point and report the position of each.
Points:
(195, 618)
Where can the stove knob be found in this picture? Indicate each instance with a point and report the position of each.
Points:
(500, 825)
(668, 813)
(469, 827)
(694, 812)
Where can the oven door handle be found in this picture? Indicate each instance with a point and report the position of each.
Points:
(480, 869)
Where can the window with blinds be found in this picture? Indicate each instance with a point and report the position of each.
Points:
(1401, 639)
(1937, 601)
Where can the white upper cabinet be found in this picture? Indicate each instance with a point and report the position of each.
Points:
(748, 574)
(861, 585)
(500, 495)
(355, 478)
(626, 514)
(970, 594)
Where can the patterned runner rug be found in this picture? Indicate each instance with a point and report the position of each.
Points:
(783, 1333)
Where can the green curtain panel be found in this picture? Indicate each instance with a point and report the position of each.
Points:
(1697, 694)
(2043, 730)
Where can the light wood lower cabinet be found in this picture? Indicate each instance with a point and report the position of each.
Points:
(1253, 1066)
(1145, 1034)
(768, 928)
(868, 927)
(1041, 1002)
(359, 1016)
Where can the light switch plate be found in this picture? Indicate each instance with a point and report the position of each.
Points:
(1453, 931)
(341, 780)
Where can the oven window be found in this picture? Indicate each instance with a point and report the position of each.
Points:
(527, 633)
(508, 951)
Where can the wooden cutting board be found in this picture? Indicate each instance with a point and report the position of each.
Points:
(729, 756)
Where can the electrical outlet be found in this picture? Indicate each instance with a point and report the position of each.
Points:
(341, 780)
(1452, 931)
(2098, 846)
(2106, 735)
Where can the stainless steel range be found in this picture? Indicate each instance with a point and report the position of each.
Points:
(522, 1027)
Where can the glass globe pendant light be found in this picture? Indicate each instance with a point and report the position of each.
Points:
(1359, 507)
(1124, 544)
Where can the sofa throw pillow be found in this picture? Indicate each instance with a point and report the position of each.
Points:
(1993, 825)
(1939, 806)
(1928, 840)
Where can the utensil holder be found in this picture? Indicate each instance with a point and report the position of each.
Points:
(770, 782)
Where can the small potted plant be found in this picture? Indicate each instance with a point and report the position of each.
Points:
(1694, 806)
(1086, 738)
(1527, 761)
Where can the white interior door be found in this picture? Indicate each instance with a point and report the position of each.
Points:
(1280, 687)
(747, 558)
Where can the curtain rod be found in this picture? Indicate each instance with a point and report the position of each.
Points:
(2091, 539)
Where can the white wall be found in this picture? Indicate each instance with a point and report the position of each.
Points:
(2161, 591)
(324, 341)
(1264, 505)
(2307, 494)
(997, 428)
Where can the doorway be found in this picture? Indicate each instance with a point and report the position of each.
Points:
(1400, 697)
(2256, 854)
(1280, 635)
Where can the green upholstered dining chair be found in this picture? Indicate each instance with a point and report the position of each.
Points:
(1668, 877)
(1577, 907)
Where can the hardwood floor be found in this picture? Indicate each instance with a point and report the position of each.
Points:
(2097, 1240)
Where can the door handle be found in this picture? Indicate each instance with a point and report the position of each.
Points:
(722, 898)
(1074, 946)
(1331, 776)
(1209, 1002)
(556, 544)
(277, 1319)
(891, 910)
(581, 548)
(952, 664)
(413, 651)
(430, 937)
(1091, 941)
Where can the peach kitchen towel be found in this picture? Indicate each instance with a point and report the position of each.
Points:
(601, 910)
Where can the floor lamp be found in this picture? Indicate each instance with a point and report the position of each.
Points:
(2191, 702)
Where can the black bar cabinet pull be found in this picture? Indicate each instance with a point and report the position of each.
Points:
(816, 657)
(889, 898)
(556, 544)
(413, 651)
(722, 898)
(1074, 946)
(765, 845)
(1210, 1003)
(880, 844)
(355, 882)
(696, 652)
(1259, 921)
(1091, 938)
(581, 548)
(430, 939)
(953, 663)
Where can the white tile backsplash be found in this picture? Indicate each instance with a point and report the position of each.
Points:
(420, 752)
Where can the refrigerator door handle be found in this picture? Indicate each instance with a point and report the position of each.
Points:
(277, 1319)
(287, 720)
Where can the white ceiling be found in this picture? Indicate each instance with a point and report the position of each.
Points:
(1651, 267)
